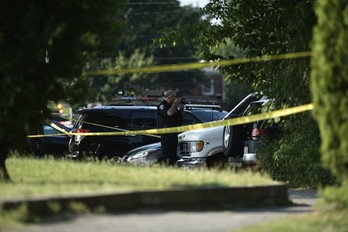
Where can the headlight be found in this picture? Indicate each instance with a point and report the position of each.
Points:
(196, 146)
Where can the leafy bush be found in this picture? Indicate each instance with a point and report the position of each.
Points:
(293, 154)
(336, 197)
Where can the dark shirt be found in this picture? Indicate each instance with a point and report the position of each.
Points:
(168, 121)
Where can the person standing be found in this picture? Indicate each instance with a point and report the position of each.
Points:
(171, 112)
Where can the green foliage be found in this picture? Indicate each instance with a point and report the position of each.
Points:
(44, 47)
(257, 28)
(235, 92)
(182, 81)
(144, 22)
(261, 28)
(106, 87)
(329, 83)
(336, 197)
(290, 157)
(11, 218)
(21, 214)
(308, 222)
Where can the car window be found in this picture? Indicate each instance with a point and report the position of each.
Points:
(101, 121)
(144, 119)
(48, 130)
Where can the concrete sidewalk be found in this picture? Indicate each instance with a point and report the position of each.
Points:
(159, 220)
(223, 197)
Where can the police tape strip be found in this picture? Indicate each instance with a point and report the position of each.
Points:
(63, 132)
(50, 135)
(227, 122)
(176, 67)
(195, 65)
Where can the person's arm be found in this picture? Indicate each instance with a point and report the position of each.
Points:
(174, 106)
(171, 110)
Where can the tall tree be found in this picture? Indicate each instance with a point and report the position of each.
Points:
(145, 21)
(44, 46)
(329, 84)
(263, 28)
(107, 86)
(257, 28)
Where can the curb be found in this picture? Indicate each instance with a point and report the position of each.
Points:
(226, 197)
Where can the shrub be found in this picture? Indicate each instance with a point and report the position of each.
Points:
(293, 155)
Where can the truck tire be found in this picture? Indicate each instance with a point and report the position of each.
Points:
(232, 141)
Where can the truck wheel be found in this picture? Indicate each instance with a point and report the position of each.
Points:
(232, 141)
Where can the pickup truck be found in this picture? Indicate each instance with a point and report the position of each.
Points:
(204, 147)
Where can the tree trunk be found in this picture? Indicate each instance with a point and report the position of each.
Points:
(4, 176)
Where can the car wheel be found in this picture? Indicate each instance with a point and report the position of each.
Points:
(232, 141)
(110, 152)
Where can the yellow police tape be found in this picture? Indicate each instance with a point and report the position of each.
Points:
(226, 122)
(195, 65)
(188, 66)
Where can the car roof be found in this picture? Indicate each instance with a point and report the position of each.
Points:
(202, 106)
(204, 110)
(108, 108)
(142, 107)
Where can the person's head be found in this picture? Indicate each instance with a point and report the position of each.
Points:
(169, 96)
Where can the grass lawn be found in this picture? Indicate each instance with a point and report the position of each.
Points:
(49, 177)
(45, 177)
(31, 177)
(321, 221)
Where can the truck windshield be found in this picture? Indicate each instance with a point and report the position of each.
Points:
(210, 115)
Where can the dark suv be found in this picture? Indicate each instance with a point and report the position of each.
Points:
(119, 118)
(53, 142)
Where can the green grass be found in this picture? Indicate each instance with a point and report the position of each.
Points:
(33, 177)
(321, 221)
(49, 177)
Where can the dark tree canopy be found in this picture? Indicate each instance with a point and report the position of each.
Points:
(44, 47)
(145, 21)
(257, 28)
(265, 28)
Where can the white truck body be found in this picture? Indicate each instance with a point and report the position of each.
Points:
(197, 145)
(211, 147)
(202, 146)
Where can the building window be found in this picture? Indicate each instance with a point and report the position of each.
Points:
(208, 87)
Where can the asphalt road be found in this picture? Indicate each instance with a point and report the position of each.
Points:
(174, 221)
